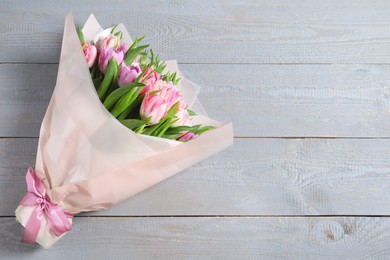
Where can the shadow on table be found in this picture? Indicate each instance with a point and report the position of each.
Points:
(10, 245)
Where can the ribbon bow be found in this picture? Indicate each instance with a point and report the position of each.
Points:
(56, 217)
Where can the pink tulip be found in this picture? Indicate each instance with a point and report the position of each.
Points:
(90, 53)
(106, 55)
(187, 136)
(128, 74)
(122, 47)
(183, 118)
(170, 94)
(111, 41)
(168, 91)
(150, 81)
(153, 109)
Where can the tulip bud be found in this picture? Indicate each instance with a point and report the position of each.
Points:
(90, 53)
(153, 109)
(111, 41)
(106, 55)
(182, 118)
(152, 79)
(187, 136)
(170, 94)
(122, 47)
(128, 74)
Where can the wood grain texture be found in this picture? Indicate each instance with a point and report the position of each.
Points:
(215, 31)
(260, 100)
(209, 238)
(254, 177)
(276, 69)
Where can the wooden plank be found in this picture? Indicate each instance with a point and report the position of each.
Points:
(261, 100)
(26, 91)
(254, 177)
(215, 31)
(210, 238)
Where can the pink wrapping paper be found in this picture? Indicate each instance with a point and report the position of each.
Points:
(87, 159)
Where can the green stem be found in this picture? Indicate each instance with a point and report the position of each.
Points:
(128, 110)
(164, 128)
(125, 102)
(140, 129)
(108, 78)
(151, 129)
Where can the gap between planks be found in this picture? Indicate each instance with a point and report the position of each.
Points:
(258, 137)
(82, 215)
(227, 63)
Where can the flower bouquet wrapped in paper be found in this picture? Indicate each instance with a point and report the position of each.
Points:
(119, 121)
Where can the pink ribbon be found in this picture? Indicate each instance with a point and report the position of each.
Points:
(56, 217)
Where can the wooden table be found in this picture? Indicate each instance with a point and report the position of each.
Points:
(307, 86)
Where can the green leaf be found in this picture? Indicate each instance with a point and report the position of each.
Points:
(97, 82)
(113, 28)
(152, 57)
(112, 69)
(140, 76)
(203, 129)
(115, 78)
(129, 110)
(145, 57)
(140, 129)
(118, 93)
(80, 34)
(159, 66)
(151, 129)
(173, 77)
(151, 93)
(161, 125)
(132, 123)
(95, 72)
(165, 127)
(114, 83)
(135, 43)
(172, 111)
(92, 72)
(122, 104)
(125, 101)
(132, 53)
(181, 129)
(167, 77)
(170, 77)
(175, 81)
(162, 67)
(113, 86)
(191, 113)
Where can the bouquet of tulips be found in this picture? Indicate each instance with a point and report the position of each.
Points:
(119, 121)
(133, 86)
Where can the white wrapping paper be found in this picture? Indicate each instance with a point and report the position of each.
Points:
(87, 159)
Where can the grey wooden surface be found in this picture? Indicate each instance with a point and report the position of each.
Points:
(263, 100)
(307, 86)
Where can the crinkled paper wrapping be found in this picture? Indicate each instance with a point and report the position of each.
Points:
(87, 159)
